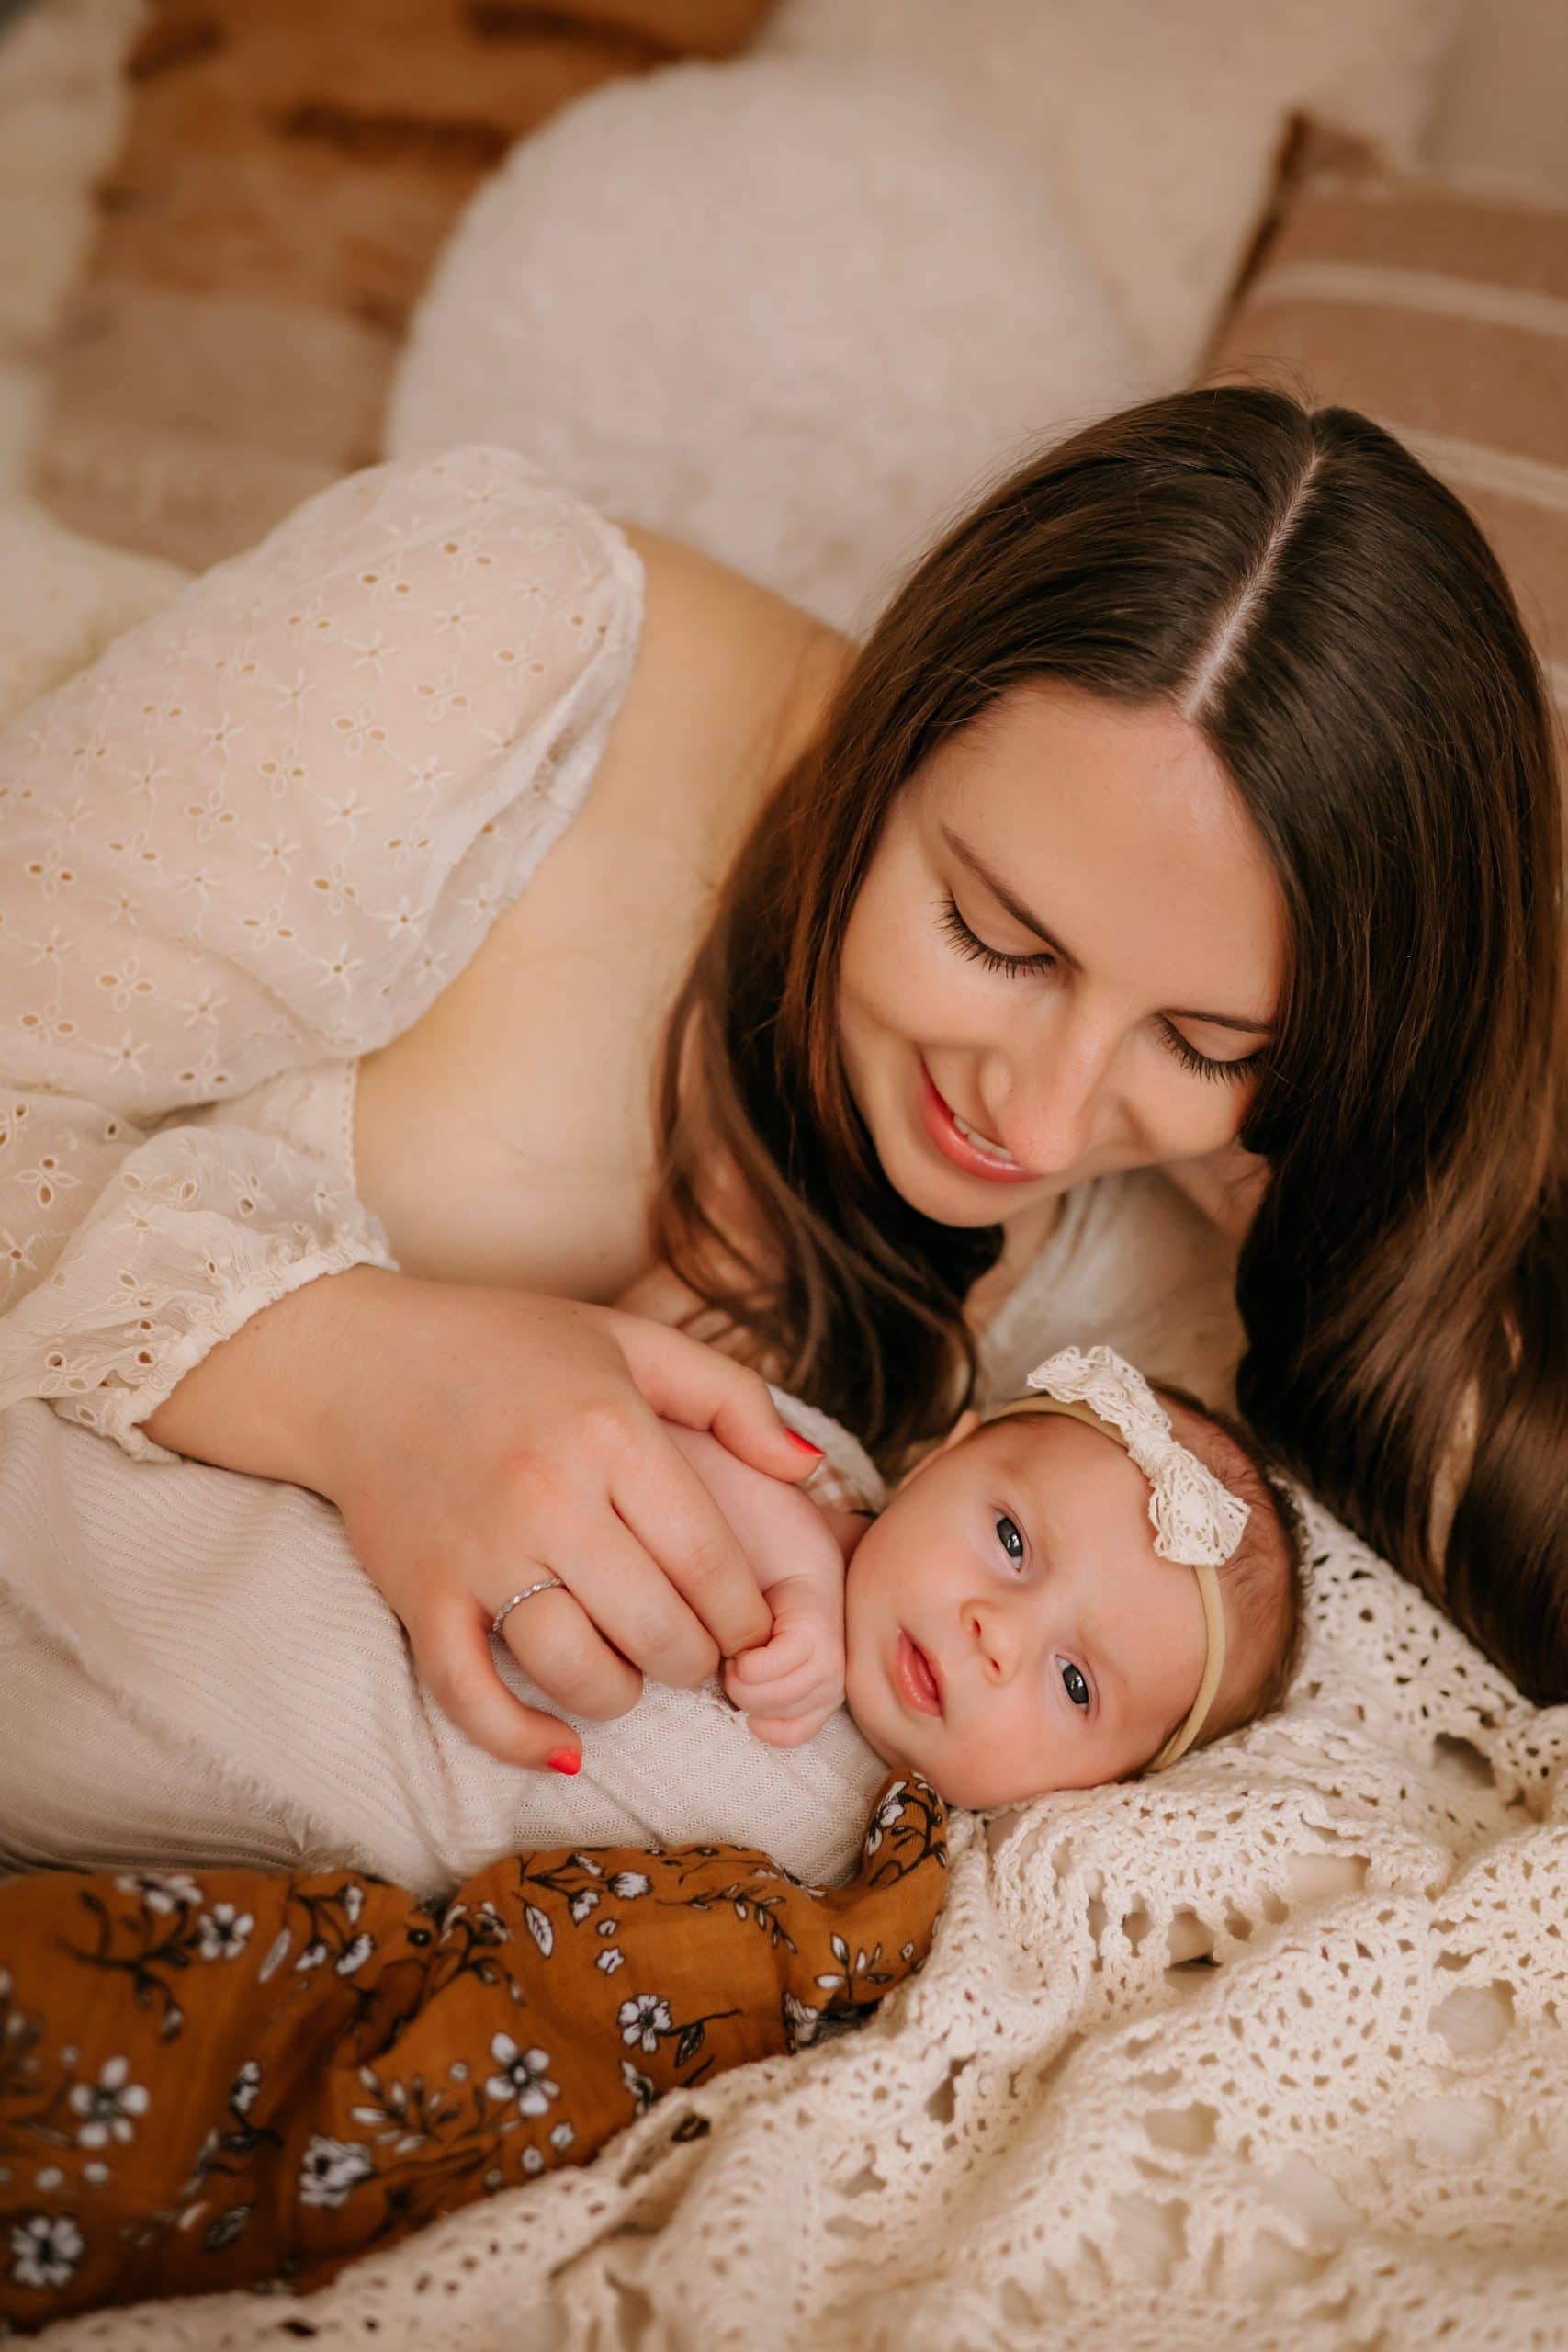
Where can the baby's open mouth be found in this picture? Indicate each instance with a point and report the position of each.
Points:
(916, 1678)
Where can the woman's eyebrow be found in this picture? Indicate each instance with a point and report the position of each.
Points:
(1004, 897)
(1031, 922)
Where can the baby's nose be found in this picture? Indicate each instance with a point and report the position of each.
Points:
(991, 1632)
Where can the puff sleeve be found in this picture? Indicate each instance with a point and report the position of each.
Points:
(263, 831)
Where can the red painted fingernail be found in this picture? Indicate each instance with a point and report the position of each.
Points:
(565, 1759)
(805, 1444)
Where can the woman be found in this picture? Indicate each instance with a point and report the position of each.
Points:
(1192, 808)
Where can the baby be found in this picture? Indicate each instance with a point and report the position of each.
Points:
(1078, 1586)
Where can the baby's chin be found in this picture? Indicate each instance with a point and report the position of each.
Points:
(950, 1782)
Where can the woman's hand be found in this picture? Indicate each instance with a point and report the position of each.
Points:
(477, 1440)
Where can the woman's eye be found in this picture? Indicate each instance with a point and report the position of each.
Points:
(1073, 1682)
(995, 959)
(1201, 1066)
(1010, 1540)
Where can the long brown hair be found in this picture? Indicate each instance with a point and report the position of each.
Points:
(1333, 623)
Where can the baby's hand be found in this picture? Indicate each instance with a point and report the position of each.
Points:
(791, 1684)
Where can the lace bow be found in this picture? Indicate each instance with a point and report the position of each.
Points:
(1196, 1517)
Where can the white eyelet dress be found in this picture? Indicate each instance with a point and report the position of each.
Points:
(251, 843)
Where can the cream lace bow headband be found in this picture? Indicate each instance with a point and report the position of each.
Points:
(1197, 1521)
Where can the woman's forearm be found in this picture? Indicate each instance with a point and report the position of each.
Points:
(263, 1401)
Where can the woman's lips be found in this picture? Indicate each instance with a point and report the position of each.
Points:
(940, 1124)
(916, 1678)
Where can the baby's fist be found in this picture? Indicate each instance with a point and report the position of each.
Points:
(790, 1686)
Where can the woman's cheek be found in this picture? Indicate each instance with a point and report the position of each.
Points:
(1192, 1117)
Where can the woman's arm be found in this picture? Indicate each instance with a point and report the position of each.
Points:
(260, 832)
(264, 829)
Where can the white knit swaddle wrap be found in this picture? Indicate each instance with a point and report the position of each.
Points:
(196, 1670)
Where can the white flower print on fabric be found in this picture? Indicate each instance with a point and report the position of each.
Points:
(331, 2168)
(802, 2024)
(639, 2085)
(610, 1959)
(522, 2075)
(643, 2019)
(45, 2250)
(230, 859)
(885, 1818)
(222, 1934)
(489, 1924)
(160, 1892)
(276, 1953)
(626, 1885)
(243, 2089)
(109, 2105)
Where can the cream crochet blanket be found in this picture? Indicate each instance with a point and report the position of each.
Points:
(1273, 2049)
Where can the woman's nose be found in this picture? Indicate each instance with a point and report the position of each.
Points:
(1057, 1096)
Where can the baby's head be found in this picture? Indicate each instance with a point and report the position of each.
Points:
(1011, 1626)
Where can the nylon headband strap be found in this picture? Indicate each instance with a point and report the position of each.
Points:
(1208, 1577)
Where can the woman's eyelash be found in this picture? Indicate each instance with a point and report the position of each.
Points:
(995, 959)
(1201, 1066)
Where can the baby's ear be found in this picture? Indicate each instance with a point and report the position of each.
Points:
(964, 1426)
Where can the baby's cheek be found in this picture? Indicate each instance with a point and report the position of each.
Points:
(999, 1761)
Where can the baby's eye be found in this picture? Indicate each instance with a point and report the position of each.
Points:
(1073, 1682)
(1010, 1540)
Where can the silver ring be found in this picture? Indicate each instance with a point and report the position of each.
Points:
(546, 1584)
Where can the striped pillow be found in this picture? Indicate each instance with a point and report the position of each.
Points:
(1444, 315)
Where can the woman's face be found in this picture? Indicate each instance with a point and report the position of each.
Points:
(1066, 958)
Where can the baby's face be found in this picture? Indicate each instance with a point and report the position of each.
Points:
(1010, 1626)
